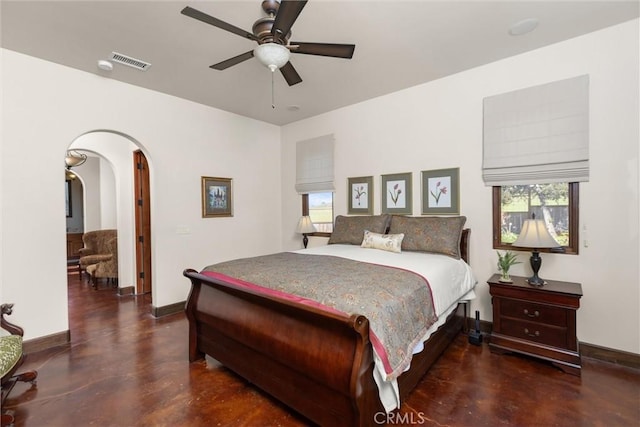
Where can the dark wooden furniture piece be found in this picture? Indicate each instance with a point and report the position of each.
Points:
(318, 363)
(10, 378)
(74, 244)
(536, 321)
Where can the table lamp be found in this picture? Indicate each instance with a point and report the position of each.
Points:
(305, 226)
(534, 234)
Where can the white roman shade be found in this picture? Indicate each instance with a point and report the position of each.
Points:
(537, 135)
(314, 165)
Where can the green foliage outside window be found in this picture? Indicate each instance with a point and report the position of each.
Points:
(550, 202)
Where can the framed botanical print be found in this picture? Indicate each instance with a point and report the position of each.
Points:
(217, 198)
(396, 194)
(441, 192)
(360, 191)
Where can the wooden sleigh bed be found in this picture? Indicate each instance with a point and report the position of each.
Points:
(318, 363)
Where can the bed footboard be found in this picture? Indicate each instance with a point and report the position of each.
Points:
(318, 363)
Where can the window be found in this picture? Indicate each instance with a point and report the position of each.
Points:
(556, 203)
(319, 206)
(314, 181)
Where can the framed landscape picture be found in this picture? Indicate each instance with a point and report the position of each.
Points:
(396, 194)
(441, 192)
(360, 193)
(216, 197)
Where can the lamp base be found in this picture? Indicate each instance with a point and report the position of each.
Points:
(536, 281)
(305, 240)
(536, 262)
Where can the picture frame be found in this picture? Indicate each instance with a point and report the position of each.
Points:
(217, 197)
(360, 195)
(441, 192)
(397, 194)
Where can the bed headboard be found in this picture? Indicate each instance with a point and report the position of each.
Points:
(464, 244)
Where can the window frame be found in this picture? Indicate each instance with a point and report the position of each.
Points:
(574, 223)
(305, 212)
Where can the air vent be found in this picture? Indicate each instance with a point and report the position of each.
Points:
(129, 61)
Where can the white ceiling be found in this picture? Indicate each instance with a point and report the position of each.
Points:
(399, 44)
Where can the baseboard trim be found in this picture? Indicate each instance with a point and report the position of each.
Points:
(592, 351)
(127, 290)
(168, 309)
(619, 357)
(43, 343)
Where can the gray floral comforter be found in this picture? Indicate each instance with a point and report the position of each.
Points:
(397, 302)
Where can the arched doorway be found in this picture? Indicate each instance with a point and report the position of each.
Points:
(115, 151)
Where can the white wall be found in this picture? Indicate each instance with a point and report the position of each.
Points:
(109, 193)
(89, 174)
(2, 237)
(46, 106)
(439, 125)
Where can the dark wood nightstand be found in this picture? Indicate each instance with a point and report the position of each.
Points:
(536, 321)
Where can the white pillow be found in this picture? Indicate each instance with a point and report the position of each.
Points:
(386, 242)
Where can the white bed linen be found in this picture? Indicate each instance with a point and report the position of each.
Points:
(451, 281)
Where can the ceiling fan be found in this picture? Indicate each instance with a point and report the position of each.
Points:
(272, 34)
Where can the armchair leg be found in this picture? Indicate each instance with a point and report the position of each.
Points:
(28, 377)
(7, 419)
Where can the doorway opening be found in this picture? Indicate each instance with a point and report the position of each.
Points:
(117, 196)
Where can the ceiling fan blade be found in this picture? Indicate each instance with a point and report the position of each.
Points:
(287, 14)
(232, 61)
(323, 49)
(208, 19)
(290, 74)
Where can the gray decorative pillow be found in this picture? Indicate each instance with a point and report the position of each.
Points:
(439, 235)
(350, 229)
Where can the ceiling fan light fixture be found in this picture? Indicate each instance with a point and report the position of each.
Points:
(272, 55)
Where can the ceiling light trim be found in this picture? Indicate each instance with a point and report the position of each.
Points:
(523, 27)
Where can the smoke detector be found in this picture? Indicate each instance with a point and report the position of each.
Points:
(105, 65)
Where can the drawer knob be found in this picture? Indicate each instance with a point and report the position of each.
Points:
(535, 313)
(535, 334)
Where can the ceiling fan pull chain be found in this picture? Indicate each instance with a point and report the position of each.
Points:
(273, 102)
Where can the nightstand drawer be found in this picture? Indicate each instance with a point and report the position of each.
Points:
(540, 333)
(533, 312)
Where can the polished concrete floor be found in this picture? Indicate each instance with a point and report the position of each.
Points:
(126, 368)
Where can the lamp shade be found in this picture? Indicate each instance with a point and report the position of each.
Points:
(534, 234)
(272, 55)
(305, 225)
